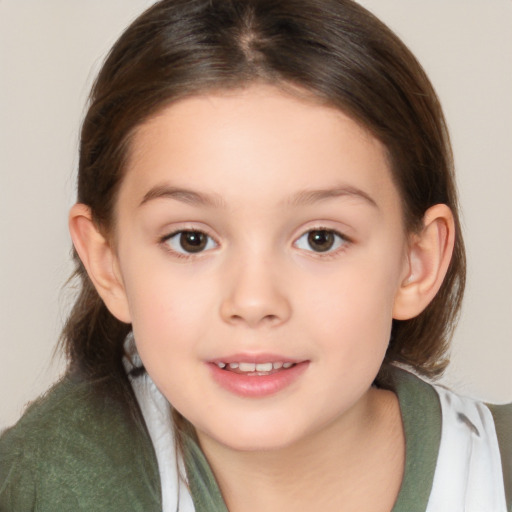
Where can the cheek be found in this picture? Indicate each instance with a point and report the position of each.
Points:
(361, 294)
(169, 310)
(351, 311)
(352, 325)
(163, 293)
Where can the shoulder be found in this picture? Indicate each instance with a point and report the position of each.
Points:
(76, 448)
(480, 434)
(470, 444)
(476, 442)
(502, 415)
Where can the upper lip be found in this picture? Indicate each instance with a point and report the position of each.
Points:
(255, 358)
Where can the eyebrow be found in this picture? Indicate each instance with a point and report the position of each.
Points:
(305, 197)
(184, 195)
(301, 198)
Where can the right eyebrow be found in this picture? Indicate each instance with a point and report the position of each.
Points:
(184, 195)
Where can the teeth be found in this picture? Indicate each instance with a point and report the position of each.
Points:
(246, 367)
(264, 367)
(253, 367)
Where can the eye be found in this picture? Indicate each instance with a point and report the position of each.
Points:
(190, 242)
(321, 240)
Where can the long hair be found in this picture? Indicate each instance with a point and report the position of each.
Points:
(336, 51)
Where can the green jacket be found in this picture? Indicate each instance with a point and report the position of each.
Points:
(75, 450)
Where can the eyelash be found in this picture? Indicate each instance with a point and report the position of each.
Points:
(184, 254)
(340, 242)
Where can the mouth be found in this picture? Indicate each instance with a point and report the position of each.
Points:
(258, 377)
(255, 369)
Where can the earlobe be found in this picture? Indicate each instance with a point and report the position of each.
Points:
(99, 260)
(428, 258)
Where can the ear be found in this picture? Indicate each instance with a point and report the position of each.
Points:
(428, 257)
(99, 260)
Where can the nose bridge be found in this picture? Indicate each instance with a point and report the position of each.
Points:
(254, 292)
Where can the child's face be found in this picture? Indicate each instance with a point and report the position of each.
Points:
(295, 253)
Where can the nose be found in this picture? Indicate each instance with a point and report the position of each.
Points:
(255, 295)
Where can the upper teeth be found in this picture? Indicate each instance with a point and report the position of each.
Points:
(253, 367)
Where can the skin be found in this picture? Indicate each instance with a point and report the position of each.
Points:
(262, 169)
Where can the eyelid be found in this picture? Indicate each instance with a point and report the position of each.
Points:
(164, 240)
(340, 245)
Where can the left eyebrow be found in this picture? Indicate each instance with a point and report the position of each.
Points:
(305, 197)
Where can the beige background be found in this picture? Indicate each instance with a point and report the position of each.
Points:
(49, 53)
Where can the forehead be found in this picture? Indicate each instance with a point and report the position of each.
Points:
(259, 142)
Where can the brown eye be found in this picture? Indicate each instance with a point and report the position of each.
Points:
(193, 241)
(321, 241)
(190, 242)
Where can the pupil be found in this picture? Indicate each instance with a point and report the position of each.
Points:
(321, 241)
(193, 241)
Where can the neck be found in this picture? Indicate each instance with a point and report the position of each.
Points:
(354, 463)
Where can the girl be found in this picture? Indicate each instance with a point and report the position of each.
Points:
(266, 234)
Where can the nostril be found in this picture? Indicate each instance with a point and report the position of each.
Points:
(263, 319)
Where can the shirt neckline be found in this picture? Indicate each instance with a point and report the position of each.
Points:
(421, 418)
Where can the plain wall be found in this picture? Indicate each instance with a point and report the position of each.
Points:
(50, 51)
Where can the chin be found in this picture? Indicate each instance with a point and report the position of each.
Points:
(255, 439)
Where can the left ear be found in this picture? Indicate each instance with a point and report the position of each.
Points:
(428, 257)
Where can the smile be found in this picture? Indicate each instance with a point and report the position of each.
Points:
(255, 369)
(256, 379)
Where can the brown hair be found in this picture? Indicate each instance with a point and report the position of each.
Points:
(335, 50)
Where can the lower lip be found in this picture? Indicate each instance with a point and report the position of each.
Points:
(257, 386)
